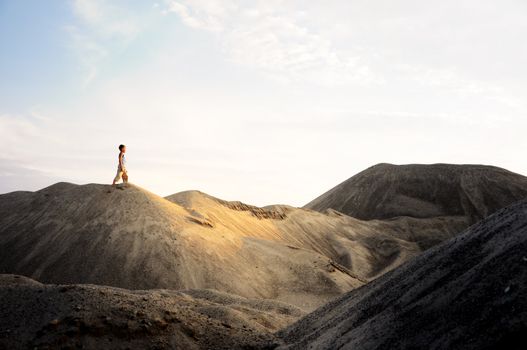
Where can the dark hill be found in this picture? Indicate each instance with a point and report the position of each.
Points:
(385, 191)
(467, 293)
(84, 316)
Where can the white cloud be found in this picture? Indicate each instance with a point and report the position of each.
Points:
(22, 135)
(200, 15)
(349, 43)
(13, 130)
(19, 175)
(103, 28)
(261, 37)
(370, 82)
(454, 81)
(107, 19)
(89, 10)
(89, 51)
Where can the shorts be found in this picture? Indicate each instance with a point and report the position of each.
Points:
(120, 173)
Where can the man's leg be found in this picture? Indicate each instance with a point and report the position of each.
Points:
(125, 176)
(117, 177)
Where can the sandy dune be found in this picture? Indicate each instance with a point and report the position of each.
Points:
(134, 239)
(467, 293)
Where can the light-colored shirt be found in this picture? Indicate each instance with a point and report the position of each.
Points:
(123, 162)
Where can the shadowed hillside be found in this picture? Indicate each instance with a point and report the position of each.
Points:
(386, 191)
(467, 293)
(35, 315)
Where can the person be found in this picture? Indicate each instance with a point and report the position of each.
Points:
(121, 168)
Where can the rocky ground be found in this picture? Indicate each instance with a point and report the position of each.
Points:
(467, 293)
(40, 316)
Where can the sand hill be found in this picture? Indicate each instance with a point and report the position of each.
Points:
(387, 191)
(134, 239)
(467, 293)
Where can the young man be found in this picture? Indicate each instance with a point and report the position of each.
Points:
(121, 168)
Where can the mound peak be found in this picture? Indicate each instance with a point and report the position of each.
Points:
(385, 191)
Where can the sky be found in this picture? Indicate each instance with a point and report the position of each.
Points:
(272, 101)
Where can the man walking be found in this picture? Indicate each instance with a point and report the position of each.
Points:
(121, 168)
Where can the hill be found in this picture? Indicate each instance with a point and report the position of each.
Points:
(131, 238)
(134, 239)
(387, 191)
(467, 293)
(35, 315)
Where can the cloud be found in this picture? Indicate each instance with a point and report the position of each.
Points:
(274, 42)
(89, 10)
(199, 15)
(89, 51)
(17, 176)
(13, 131)
(54, 146)
(407, 82)
(29, 144)
(27, 137)
(452, 80)
(345, 44)
(103, 28)
(354, 43)
(107, 20)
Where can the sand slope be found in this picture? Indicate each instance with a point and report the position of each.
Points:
(365, 249)
(223, 274)
(467, 293)
(134, 239)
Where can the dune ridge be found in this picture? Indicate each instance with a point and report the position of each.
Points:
(465, 293)
(134, 239)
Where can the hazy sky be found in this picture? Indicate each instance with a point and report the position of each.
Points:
(261, 101)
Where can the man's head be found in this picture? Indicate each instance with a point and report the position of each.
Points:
(122, 148)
